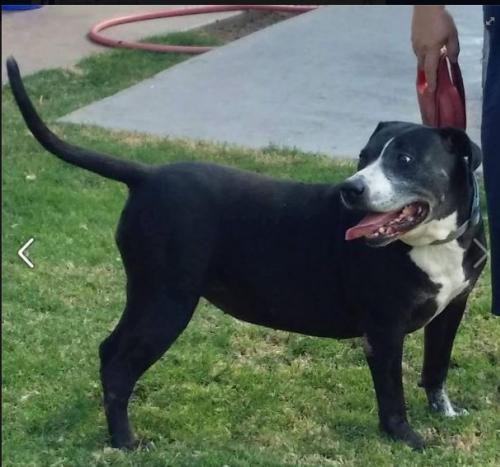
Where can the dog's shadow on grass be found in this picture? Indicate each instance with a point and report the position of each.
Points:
(349, 430)
(75, 417)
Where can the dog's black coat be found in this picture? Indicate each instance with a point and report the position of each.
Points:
(269, 252)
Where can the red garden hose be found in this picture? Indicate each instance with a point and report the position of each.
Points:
(100, 39)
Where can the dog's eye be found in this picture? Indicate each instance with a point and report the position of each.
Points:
(404, 159)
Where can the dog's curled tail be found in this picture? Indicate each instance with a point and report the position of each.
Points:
(127, 172)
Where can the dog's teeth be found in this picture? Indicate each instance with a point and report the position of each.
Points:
(411, 219)
(381, 230)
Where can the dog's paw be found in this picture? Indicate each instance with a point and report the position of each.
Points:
(415, 441)
(448, 410)
(410, 437)
(440, 403)
(460, 411)
(402, 431)
(125, 443)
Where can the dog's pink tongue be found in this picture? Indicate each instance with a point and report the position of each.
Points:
(369, 224)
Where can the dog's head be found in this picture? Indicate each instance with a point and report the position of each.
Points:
(412, 181)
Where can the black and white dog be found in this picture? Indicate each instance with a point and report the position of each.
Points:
(387, 252)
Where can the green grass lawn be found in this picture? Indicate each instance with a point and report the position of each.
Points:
(227, 393)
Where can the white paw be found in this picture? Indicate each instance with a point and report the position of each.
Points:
(449, 411)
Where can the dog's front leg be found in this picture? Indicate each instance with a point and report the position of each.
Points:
(439, 336)
(384, 352)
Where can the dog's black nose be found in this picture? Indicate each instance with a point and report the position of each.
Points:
(352, 190)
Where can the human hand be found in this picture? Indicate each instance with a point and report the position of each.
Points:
(433, 29)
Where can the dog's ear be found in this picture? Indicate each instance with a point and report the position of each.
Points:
(380, 126)
(456, 141)
(385, 125)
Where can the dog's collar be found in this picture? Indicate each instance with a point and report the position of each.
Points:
(474, 216)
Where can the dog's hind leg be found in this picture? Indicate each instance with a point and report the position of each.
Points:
(154, 317)
(166, 251)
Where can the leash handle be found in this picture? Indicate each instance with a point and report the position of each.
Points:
(445, 106)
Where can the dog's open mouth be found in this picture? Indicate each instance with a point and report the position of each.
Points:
(388, 225)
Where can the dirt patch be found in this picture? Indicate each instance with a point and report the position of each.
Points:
(246, 23)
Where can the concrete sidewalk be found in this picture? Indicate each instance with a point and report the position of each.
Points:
(55, 35)
(319, 82)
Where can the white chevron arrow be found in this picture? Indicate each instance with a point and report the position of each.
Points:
(484, 250)
(23, 249)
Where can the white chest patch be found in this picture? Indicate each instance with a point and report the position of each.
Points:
(443, 265)
(431, 231)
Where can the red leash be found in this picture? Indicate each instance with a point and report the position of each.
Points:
(446, 106)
